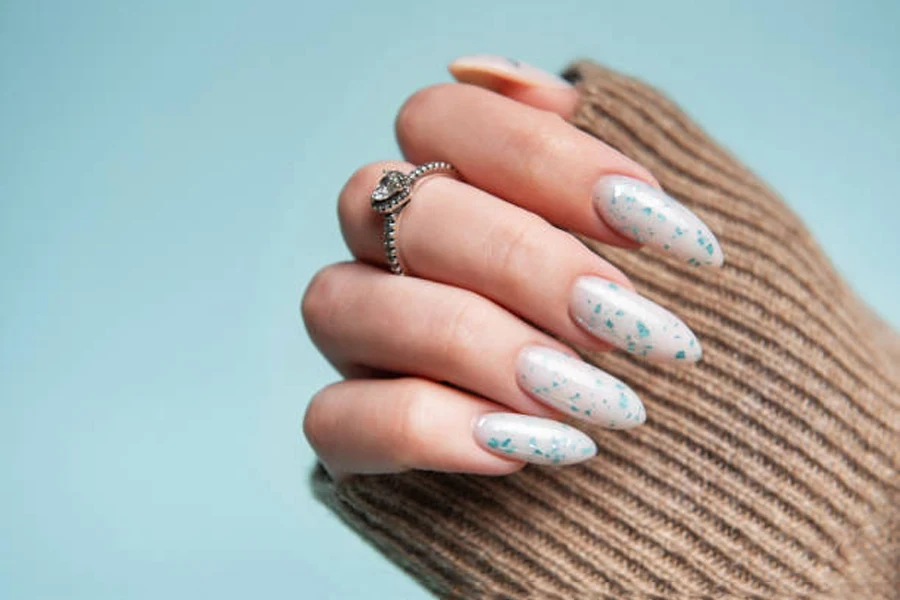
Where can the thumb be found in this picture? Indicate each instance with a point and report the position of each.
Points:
(517, 80)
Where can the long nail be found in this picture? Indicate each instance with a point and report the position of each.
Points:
(648, 215)
(631, 322)
(533, 439)
(488, 70)
(574, 387)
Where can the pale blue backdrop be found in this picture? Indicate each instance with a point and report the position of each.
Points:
(168, 172)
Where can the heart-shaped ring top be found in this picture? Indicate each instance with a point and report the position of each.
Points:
(392, 192)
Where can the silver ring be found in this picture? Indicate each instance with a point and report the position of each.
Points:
(392, 194)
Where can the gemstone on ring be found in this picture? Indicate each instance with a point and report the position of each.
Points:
(392, 192)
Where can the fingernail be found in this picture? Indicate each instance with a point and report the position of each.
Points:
(533, 439)
(648, 215)
(574, 387)
(631, 322)
(487, 70)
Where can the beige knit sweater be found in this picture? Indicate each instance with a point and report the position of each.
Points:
(768, 470)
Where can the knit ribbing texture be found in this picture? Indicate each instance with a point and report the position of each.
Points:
(767, 470)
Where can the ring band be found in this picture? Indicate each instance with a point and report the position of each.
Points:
(392, 194)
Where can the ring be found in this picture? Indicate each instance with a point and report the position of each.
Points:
(392, 194)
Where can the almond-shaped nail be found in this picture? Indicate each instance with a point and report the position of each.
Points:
(649, 216)
(577, 388)
(490, 71)
(631, 322)
(533, 439)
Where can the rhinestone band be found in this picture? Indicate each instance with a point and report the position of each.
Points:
(434, 167)
(390, 243)
(394, 192)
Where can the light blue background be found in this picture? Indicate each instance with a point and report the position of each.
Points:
(168, 173)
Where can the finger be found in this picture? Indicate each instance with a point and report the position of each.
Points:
(534, 159)
(454, 233)
(517, 80)
(359, 314)
(392, 425)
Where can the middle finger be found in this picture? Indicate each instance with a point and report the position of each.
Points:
(456, 234)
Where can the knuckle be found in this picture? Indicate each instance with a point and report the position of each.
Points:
(517, 249)
(410, 434)
(354, 196)
(537, 140)
(320, 298)
(315, 423)
(423, 104)
(462, 332)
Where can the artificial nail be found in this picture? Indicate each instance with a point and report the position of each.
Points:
(577, 388)
(533, 439)
(631, 322)
(648, 215)
(490, 71)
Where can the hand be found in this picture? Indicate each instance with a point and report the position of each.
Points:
(450, 368)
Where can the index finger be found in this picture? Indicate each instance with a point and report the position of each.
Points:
(536, 160)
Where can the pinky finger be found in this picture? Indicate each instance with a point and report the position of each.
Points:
(392, 425)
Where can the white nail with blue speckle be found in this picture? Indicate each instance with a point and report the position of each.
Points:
(577, 388)
(631, 322)
(649, 216)
(533, 439)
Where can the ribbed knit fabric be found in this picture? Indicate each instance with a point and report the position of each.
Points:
(767, 470)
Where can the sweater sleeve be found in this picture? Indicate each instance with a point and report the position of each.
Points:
(767, 470)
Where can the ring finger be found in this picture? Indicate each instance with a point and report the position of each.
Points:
(457, 234)
(359, 315)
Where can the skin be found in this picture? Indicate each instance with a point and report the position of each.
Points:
(425, 356)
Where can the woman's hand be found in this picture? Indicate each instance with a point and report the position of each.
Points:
(450, 368)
